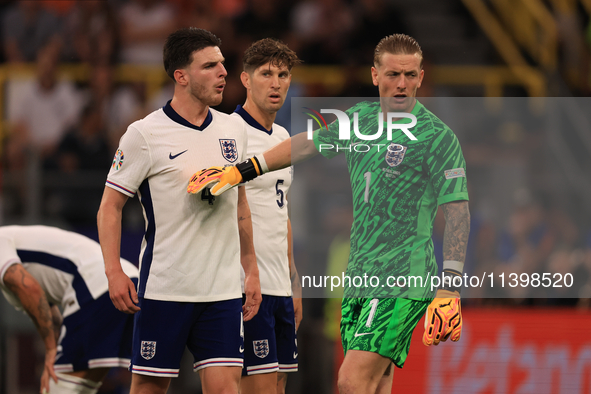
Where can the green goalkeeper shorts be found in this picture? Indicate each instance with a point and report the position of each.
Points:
(381, 325)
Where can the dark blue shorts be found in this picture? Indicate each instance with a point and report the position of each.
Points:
(96, 336)
(210, 330)
(270, 341)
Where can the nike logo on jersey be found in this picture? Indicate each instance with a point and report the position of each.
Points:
(295, 355)
(362, 334)
(241, 349)
(171, 156)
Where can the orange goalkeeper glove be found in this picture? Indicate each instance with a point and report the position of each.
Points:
(224, 178)
(218, 176)
(443, 318)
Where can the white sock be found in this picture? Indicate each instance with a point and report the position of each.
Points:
(68, 384)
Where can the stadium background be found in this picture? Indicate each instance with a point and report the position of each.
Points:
(82, 70)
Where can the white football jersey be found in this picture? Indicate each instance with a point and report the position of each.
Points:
(191, 247)
(266, 196)
(68, 266)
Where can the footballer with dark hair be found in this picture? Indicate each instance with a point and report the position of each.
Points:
(189, 293)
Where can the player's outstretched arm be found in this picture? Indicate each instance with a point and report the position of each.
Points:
(252, 284)
(284, 154)
(291, 151)
(32, 297)
(444, 315)
(121, 288)
(296, 285)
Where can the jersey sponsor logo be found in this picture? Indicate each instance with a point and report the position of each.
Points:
(172, 157)
(118, 159)
(395, 154)
(261, 348)
(390, 173)
(455, 173)
(229, 150)
(148, 349)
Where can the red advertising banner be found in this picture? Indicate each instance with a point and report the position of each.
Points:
(504, 351)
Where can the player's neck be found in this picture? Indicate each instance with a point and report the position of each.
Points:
(406, 110)
(264, 118)
(193, 111)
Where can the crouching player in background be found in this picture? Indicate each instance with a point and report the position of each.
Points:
(42, 268)
(270, 340)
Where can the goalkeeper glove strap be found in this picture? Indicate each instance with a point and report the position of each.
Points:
(249, 169)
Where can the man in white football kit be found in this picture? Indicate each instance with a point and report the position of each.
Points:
(270, 337)
(44, 268)
(189, 291)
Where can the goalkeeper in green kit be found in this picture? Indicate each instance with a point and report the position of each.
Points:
(397, 185)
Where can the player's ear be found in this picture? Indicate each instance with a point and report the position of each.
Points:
(421, 75)
(245, 78)
(180, 76)
(374, 76)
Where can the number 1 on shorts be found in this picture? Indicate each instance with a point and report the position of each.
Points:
(372, 312)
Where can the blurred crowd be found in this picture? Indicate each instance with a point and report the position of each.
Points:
(103, 34)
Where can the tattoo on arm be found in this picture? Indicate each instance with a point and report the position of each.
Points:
(23, 279)
(457, 230)
(11, 277)
(241, 218)
(57, 320)
(32, 297)
(43, 321)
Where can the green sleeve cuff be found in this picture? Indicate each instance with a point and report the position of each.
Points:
(463, 196)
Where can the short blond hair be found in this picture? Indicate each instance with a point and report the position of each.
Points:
(397, 44)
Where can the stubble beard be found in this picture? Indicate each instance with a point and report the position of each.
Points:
(205, 95)
(269, 107)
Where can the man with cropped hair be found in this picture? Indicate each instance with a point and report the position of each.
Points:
(189, 291)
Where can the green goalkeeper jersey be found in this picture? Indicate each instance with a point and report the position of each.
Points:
(397, 185)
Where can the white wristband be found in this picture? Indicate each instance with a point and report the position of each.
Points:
(263, 163)
(454, 265)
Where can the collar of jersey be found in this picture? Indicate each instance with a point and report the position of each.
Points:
(417, 107)
(250, 120)
(175, 117)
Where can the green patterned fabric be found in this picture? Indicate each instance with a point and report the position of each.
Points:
(397, 185)
(382, 326)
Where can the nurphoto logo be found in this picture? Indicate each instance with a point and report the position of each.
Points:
(344, 124)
